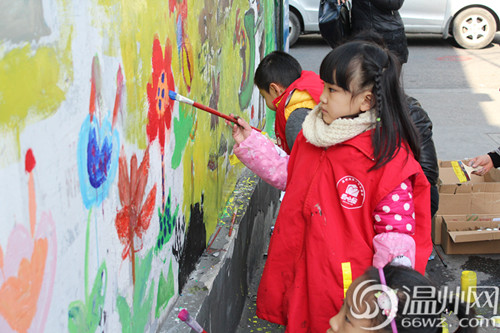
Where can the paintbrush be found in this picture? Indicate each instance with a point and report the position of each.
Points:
(182, 99)
(232, 222)
(191, 322)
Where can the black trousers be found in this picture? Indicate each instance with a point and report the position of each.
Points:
(434, 200)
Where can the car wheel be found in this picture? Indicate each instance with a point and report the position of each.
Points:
(295, 28)
(474, 28)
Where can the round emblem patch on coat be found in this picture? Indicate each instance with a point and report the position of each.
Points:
(351, 192)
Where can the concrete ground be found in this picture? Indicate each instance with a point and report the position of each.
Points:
(460, 91)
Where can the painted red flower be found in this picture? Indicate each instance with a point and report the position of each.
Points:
(181, 7)
(134, 217)
(160, 105)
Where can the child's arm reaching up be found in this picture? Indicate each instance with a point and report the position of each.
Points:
(260, 155)
(394, 224)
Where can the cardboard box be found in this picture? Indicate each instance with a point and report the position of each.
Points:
(451, 174)
(466, 200)
(478, 196)
(437, 222)
(470, 237)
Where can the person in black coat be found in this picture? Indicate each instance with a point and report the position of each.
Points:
(382, 17)
(428, 156)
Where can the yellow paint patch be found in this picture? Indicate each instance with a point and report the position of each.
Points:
(29, 91)
(29, 84)
(233, 159)
(346, 276)
(140, 21)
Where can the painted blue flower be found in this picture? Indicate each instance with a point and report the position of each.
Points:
(97, 155)
(98, 159)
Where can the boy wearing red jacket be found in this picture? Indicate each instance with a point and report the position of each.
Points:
(289, 91)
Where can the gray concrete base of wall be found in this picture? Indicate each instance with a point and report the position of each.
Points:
(216, 290)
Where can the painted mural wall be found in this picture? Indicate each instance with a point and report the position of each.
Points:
(110, 191)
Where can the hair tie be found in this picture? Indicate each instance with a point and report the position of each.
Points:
(387, 300)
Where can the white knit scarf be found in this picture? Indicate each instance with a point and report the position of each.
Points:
(320, 134)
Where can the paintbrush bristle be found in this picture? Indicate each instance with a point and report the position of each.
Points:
(172, 95)
(183, 315)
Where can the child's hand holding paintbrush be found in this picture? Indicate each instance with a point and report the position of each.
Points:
(241, 129)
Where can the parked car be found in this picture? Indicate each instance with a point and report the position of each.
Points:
(472, 23)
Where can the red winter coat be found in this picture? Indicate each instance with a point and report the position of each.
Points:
(309, 82)
(325, 220)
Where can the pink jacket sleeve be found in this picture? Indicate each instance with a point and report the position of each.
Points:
(264, 158)
(394, 224)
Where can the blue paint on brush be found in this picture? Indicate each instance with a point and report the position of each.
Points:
(172, 95)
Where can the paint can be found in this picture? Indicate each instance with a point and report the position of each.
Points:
(468, 285)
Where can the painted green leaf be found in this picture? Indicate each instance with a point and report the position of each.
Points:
(134, 320)
(85, 317)
(166, 290)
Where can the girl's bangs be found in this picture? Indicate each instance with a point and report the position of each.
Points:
(334, 68)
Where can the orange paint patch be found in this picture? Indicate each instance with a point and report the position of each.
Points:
(162, 96)
(118, 97)
(20, 294)
(32, 203)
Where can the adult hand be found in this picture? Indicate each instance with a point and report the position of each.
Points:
(241, 131)
(483, 164)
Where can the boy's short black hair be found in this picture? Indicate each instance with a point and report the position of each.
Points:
(277, 67)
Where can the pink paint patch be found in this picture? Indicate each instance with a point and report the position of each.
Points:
(454, 58)
(20, 246)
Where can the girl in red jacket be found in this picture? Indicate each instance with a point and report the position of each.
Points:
(355, 194)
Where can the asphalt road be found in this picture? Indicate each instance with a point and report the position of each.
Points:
(460, 90)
